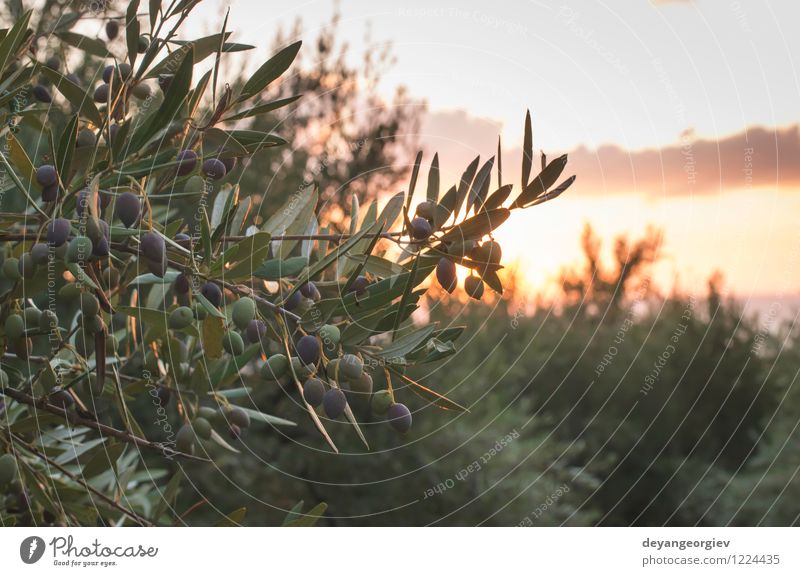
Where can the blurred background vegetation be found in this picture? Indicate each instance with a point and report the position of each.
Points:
(610, 404)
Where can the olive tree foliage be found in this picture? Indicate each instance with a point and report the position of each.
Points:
(133, 335)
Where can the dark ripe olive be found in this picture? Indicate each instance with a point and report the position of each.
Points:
(26, 265)
(399, 417)
(142, 91)
(152, 247)
(446, 274)
(238, 417)
(420, 228)
(62, 399)
(73, 78)
(82, 203)
(426, 210)
(234, 432)
(112, 29)
(142, 44)
(104, 197)
(255, 331)
(488, 252)
(181, 237)
(46, 175)
(54, 63)
(42, 94)
(359, 285)
(243, 310)
(212, 293)
(334, 403)
(308, 350)
(101, 94)
(124, 70)
(214, 168)
(164, 395)
(156, 268)
(233, 344)
(381, 401)
(85, 138)
(474, 287)
(313, 391)
(362, 385)
(90, 305)
(230, 164)
(350, 367)
(111, 277)
(181, 318)
(309, 290)
(182, 284)
(50, 193)
(164, 81)
(128, 208)
(275, 368)
(293, 301)
(108, 72)
(112, 133)
(101, 248)
(187, 162)
(58, 231)
(40, 253)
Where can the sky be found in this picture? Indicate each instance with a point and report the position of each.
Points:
(679, 114)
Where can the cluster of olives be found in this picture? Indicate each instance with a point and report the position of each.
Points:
(484, 255)
(235, 419)
(398, 415)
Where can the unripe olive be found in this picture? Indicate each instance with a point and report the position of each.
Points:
(302, 370)
(308, 350)
(91, 324)
(214, 168)
(31, 317)
(255, 331)
(313, 391)
(359, 285)
(42, 94)
(82, 203)
(11, 268)
(111, 277)
(40, 253)
(208, 413)
(48, 321)
(46, 175)
(362, 385)
(334, 403)
(26, 265)
(124, 70)
(48, 379)
(202, 428)
(399, 417)
(184, 439)
(275, 368)
(244, 310)
(142, 91)
(381, 401)
(69, 292)
(232, 343)
(212, 293)
(181, 318)
(128, 208)
(187, 162)
(164, 81)
(50, 193)
(14, 327)
(112, 29)
(420, 228)
(142, 44)
(350, 367)
(194, 184)
(58, 231)
(8, 469)
(152, 247)
(238, 417)
(101, 93)
(90, 306)
(79, 249)
(85, 138)
(446, 274)
(330, 336)
(474, 287)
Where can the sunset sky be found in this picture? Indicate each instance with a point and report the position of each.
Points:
(679, 114)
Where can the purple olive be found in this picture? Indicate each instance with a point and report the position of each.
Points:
(58, 232)
(214, 169)
(128, 208)
(187, 161)
(46, 175)
(400, 418)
